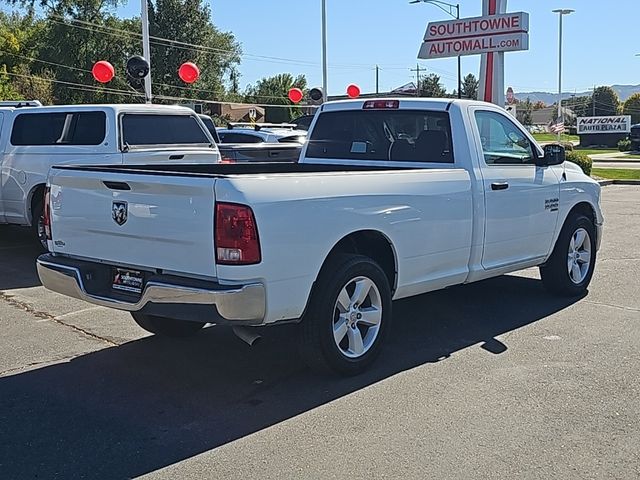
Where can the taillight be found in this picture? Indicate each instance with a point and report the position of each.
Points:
(46, 213)
(236, 235)
(381, 104)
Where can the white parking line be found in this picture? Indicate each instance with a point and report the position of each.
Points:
(84, 310)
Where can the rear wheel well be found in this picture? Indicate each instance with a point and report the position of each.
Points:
(374, 245)
(37, 196)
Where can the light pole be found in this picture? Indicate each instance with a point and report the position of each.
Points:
(146, 49)
(449, 9)
(324, 51)
(561, 12)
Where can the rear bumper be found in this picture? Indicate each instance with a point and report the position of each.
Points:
(163, 295)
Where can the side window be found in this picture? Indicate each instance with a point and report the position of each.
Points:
(73, 128)
(149, 129)
(502, 142)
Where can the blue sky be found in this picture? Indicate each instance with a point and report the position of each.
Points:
(363, 33)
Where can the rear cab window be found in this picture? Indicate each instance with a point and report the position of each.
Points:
(230, 137)
(141, 129)
(382, 135)
(59, 128)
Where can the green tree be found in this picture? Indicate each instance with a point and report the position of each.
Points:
(273, 90)
(632, 107)
(526, 107)
(189, 22)
(7, 90)
(606, 102)
(430, 86)
(470, 87)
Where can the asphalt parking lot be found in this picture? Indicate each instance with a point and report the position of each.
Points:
(491, 380)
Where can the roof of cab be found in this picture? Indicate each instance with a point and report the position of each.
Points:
(115, 107)
(405, 102)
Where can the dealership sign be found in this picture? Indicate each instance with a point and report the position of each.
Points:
(471, 36)
(591, 125)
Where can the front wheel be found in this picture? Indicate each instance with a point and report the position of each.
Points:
(348, 317)
(570, 268)
(167, 327)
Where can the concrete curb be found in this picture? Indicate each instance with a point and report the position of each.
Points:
(604, 183)
(614, 159)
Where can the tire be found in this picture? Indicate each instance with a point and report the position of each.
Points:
(167, 327)
(360, 330)
(37, 225)
(569, 270)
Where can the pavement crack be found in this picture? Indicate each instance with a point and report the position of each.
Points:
(11, 300)
(611, 305)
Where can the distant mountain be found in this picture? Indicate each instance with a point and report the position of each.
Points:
(623, 91)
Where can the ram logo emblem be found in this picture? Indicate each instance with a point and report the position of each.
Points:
(119, 212)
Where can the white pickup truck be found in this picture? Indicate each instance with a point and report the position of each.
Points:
(33, 139)
(391, 198)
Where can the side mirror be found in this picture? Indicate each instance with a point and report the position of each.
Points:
(554, 154)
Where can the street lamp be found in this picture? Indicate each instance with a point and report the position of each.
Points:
(447, 8)
(561, 12)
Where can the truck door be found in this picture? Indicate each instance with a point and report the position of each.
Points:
(521, 199)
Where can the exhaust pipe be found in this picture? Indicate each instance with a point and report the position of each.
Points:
(247, 335)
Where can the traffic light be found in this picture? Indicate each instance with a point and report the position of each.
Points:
(316, 95)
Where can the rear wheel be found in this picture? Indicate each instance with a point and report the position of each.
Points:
(167, 327)
(348, 316)
(570, 267)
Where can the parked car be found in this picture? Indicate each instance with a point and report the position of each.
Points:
(35, 138)
(261, 142)
(391, 198)
(261, 133)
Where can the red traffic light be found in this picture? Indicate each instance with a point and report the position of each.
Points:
(103, 71)
(353, 91)
(295, 95)
(188, 72)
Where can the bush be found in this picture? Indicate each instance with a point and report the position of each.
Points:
(568, 146)
(624, 145)
(580, 159)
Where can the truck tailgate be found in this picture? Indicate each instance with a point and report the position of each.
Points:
(137, 220)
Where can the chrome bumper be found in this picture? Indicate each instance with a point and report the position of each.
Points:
(213, 303)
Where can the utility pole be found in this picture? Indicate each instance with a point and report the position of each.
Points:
(377, 79)
(417, 70)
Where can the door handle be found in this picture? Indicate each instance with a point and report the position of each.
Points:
(499, 186)
(116, 185)
(176, 157)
